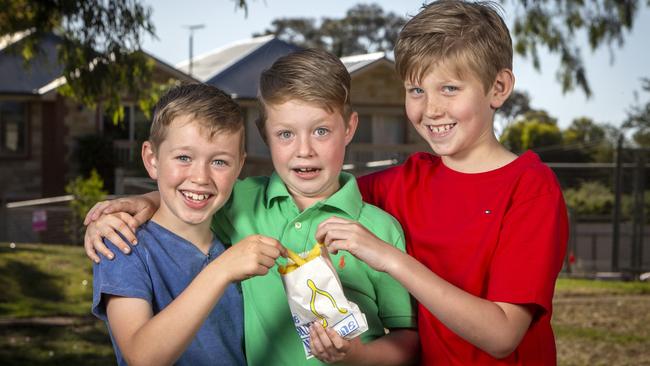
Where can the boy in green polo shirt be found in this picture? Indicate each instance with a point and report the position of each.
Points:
(306, 120)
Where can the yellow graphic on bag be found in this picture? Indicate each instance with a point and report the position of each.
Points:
(312, 303)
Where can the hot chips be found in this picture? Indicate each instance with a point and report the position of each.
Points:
(298, 260)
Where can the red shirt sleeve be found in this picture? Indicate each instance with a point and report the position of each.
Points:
(531, 247)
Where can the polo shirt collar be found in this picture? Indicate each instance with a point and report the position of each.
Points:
(347, 199)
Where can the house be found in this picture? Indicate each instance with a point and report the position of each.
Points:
(39, 132)
(377, 94)
(39, 127)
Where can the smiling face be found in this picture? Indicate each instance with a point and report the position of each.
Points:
(454, 114)
(195, 174)
(307, 145)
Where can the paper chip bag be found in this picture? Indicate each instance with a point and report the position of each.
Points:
(315, 294)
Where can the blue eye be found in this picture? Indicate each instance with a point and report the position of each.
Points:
(183, 158)
(449, 88)
(219, 163)
(285, 135)
(416, 90)
(321, 131)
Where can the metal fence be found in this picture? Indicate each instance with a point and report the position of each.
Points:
(613, 242)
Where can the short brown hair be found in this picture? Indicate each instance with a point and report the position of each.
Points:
(211, 108)
(472, 36)
(309, 75)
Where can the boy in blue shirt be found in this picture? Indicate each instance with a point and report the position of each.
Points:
(175, 299)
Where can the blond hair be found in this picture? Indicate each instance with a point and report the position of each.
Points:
(211, 108)
(311, 75)
(468, 36)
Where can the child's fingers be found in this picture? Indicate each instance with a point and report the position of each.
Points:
(337, 341)
(123, 223)
(271, 242)
(317, 347)
(97, 246)
(90, 253)
(94, 212)
(323, 338)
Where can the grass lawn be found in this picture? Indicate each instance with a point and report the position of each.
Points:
(56, 282)
(595, 322)
(602, 322)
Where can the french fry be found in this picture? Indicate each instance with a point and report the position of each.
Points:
(298, 260)
(295, 257)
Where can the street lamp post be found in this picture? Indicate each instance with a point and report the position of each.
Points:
(192, 28)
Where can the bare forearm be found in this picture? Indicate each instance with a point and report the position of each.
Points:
(154, 197)
(481, 322)
(167, 335)
(399, 347)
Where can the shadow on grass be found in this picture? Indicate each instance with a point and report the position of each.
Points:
(85, 344)
(31, 281)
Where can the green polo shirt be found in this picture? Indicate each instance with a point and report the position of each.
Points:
(262, 205)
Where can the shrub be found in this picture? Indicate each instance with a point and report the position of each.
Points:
(591, 198)
(86, 192)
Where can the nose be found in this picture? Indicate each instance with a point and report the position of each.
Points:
(200, 173)
(434, 108)
(305, 147)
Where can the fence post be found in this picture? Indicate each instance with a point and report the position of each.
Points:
(618, 170)
(4, 212)
(639, 219)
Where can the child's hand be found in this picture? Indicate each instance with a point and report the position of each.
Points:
(141, 207)
(110, 226)
(329, 347)
(341, 234)
(252, 256)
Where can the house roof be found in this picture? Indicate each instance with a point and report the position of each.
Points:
(357, 63)
(44, 67)
(44, 72)
(236, 68)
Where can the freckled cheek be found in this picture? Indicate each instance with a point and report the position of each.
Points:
(413, 111)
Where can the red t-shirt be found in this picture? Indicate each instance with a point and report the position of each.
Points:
(500, 235)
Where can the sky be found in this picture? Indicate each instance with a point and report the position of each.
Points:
(615, 76)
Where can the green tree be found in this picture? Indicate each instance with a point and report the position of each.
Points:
(517, 105)
(556, 24)
(536, 129)
(589, 141)
(638, 119)
(365, 28)
(100, 49)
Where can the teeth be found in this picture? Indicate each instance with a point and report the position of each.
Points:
(441, 128)
(305, 170)
(195, 196)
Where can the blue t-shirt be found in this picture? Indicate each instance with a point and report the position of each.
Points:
(160, 267)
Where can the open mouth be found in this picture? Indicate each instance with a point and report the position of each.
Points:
(196, 197)
(305, 170)
(441, 128)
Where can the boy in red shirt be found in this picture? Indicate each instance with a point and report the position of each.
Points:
(486, 230)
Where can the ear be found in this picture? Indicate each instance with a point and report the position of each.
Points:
(242, 160)
(150, 160)
(351, 128)
(503, 85)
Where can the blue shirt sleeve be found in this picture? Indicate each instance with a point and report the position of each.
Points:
(125, 275)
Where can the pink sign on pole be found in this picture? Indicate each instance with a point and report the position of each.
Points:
(39, 220)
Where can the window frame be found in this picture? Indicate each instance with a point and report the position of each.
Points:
(25, 154)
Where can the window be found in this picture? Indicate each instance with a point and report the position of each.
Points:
(13, 129)
(363, 134)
